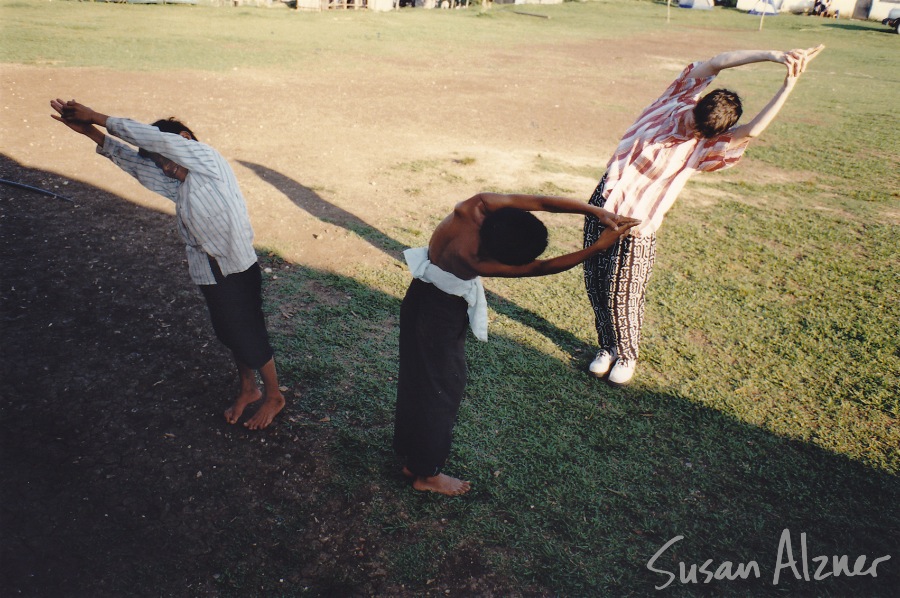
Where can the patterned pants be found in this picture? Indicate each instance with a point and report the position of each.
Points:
(616, 280)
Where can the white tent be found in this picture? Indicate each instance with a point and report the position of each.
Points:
(704, 4)
(760, 7)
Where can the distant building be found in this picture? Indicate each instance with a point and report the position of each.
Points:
(843, 9)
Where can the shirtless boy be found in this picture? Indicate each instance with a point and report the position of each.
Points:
(213, 222)
(489, 234)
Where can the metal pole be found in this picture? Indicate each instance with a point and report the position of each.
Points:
(36, 190)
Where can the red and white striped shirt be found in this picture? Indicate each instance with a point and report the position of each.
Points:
(660, 152)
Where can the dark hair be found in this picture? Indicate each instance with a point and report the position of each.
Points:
(512, 236)
(169, 125)
(173, 125)
(717, 112)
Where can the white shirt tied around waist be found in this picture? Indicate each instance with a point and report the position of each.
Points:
(470, 290)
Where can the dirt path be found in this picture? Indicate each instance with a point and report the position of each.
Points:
(398, 139)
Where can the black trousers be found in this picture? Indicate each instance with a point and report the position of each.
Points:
(432, 379)
(235, 308)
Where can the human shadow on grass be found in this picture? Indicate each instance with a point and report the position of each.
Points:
(311, 202)
(592, 482)
(120, 472)
(858, 27)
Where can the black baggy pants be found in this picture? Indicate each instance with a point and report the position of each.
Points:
(432, 379)
(235, 308)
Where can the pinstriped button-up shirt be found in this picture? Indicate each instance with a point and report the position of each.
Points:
(659, 153)
(209, 207)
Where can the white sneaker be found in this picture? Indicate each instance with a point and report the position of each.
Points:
(621, 373)
(602, 362)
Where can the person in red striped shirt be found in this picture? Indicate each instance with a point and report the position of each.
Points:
(676, 136)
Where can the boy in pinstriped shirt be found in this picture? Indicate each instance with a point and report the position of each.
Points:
(212, 219)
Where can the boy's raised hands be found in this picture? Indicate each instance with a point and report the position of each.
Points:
(610, 234)
(77, 117)
(72, 111)
(797, 60)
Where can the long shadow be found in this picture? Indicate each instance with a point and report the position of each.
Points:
(121, 478)
(311, 202)
(858, 27)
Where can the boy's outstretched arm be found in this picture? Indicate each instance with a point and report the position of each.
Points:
(796, 62)
(82, 125)
(560, 263)
(82, 119)
(491, 202)
(75, 112)
(728, 60)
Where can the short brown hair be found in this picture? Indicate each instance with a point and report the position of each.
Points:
(717, 112)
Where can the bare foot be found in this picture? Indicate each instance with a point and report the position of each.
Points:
(266, 413)
(442, 484)
(233, 413)
(407, 473)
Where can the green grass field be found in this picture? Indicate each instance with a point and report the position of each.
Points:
(768, 394)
